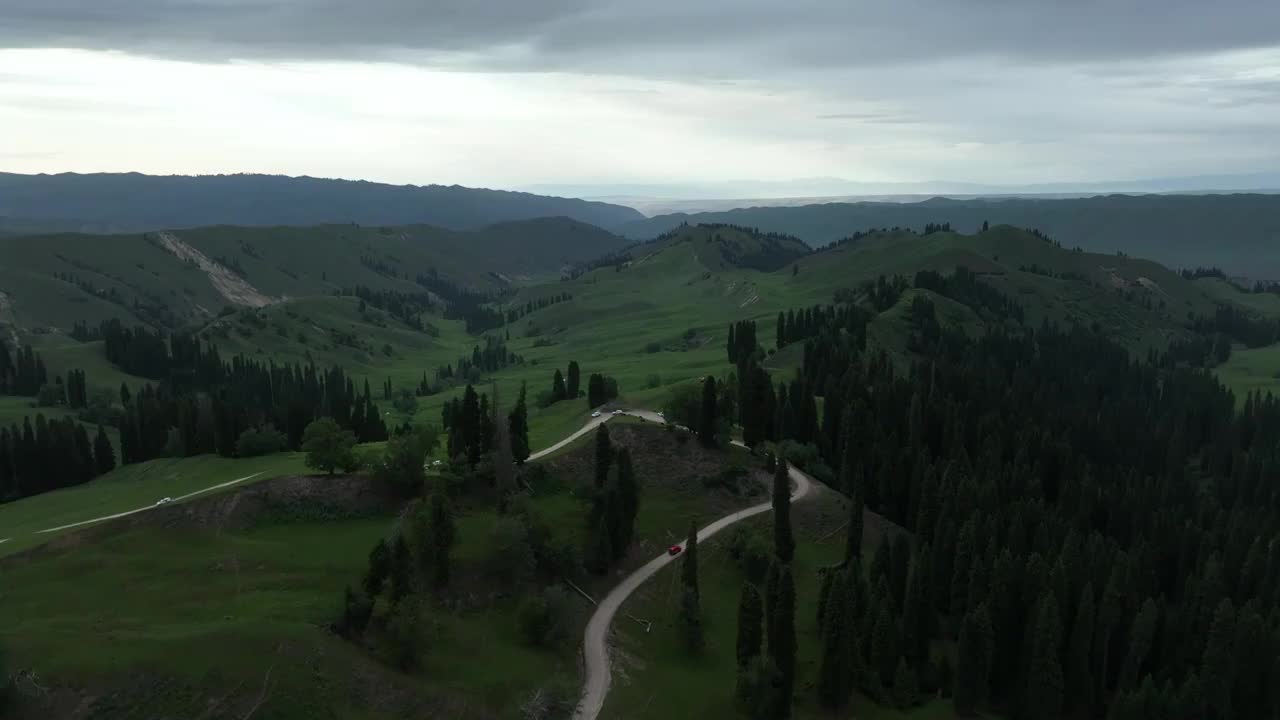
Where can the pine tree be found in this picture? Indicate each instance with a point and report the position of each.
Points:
(1044, 688)
(689, 565)
(853, 537)
(708, 422)
(1217, 668)
(599, 550)
(836, 673)
(784, 543)
(732, 344)
(558, 390)
(401, 569)
(917, 611)
(906, 691)
(1141, 635)
(518, 424)
(782, 640)
(690, 620)
(1079, 670)
(628, 498)
(104, 455)
(443, 536)
(973, 669)
(572, 383)
(884, 639)
(962, 567)
(604, 455)
(750, 624)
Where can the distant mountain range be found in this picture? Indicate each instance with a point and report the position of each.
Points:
(131, 202)
(1239, 233)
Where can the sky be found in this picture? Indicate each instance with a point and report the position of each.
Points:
(636, 93)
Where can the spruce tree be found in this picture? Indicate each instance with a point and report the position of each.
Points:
(628, 498)
(708, 420)
(917, 610)
(104, 456)
(689, 565)
(443, 536)
(1141, 635)
(572, 383)
(782, 641)
(906, 691)
(1218, 665)
(558, 390)
(518, 424)
(973, 669)
(604, 455)
(784, 544)
(853, 536)
(1044, 689)
(835, 676)
(750, 624)
(884, 639)
(1079, 669)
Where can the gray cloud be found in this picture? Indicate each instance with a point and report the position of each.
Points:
(719, 38)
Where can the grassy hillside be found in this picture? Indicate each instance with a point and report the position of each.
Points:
(55, 281)
(1235, 232)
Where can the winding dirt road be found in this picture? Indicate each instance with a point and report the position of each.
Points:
(595, 645)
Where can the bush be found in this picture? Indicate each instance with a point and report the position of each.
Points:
(405, 403)
(329, 447)
(405, 633)
(546, 619)
(653, 347)
(51, 395)
(752, 551)
(653, 381)
(255, 442)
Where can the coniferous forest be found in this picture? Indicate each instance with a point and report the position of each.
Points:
(1097, 534)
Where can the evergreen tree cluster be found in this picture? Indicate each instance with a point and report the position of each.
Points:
(209, 403)
(470, 426)
(966, 287)
(22, 371)
(742, 342)
(1097, 532)
(601, 389)
(471, 307)
(794, 326)
(48, 455)
(406, 307)
(519, 311)
(614, 505)
(931, 228)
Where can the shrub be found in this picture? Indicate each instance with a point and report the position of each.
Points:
(260, 441)
(653, 347)
(508, 555)
(653, 381)
(752, 551)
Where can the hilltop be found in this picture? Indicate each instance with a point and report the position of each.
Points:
(132, 202)
(1238, 233)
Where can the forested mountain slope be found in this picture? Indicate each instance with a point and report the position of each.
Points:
(131, 202)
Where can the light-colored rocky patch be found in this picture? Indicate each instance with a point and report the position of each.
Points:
(234, 288)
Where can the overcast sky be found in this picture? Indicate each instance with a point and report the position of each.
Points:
(516, 93)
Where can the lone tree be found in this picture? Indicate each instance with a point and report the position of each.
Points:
(784, 542)
(628, 499)
(104, 456)
(328, 447)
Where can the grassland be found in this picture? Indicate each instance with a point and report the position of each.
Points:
(208, 614)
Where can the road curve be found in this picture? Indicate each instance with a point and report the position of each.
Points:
(595, 647)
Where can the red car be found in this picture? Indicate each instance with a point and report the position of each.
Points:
(674, 550)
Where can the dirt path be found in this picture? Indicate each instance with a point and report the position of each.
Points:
(234, 288)
(145, 508)
(595, 645)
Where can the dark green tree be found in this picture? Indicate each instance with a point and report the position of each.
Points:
(782, 639)
(689, 565)
(1218, 666)
(917, 611)
(835, 675)
(518, 424)
(1044, 688)
(750, 625)
(853, 536)
(784, 544)
(604, 455)
(628, 499)
(1079, 669)
(104, 456)
(443, 537)
(572, 383)
(973, 664)
(558, 390)
(708, 418)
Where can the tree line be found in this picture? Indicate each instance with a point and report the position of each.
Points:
(48, 455)
(22, 370)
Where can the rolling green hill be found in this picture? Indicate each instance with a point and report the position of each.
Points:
(184, 278)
